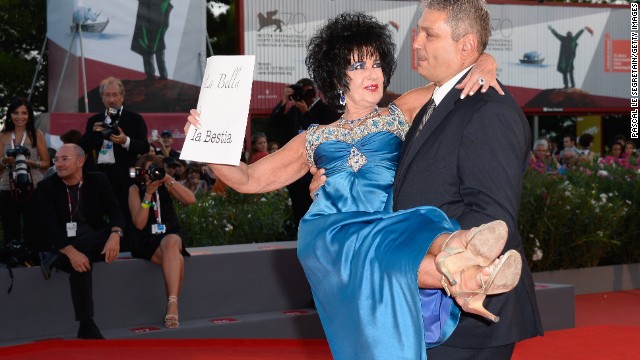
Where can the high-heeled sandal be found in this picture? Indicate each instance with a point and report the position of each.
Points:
(484, 245)
(504, 277)
(171, 321)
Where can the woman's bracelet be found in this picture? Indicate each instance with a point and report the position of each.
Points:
(37, 164)
(147, 204)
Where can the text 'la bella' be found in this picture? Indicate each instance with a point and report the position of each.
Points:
(222, 80)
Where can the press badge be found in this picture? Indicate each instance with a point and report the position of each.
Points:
(158, 228)
(72, 227)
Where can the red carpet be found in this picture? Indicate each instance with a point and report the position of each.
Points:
(218, 349)
(607, 327)
(592, 342)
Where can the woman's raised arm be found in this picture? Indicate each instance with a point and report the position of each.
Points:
(270, 173)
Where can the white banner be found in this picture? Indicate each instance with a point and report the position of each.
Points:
(276, 31)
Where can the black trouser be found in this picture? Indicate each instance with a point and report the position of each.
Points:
(120, 188)
(81, 283)
(18, 218)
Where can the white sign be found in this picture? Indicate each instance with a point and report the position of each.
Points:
(224, 107)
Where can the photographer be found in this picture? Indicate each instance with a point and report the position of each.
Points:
(24, 155)
(74, 206)
(158, 240)
(113, 140)
(300, 107)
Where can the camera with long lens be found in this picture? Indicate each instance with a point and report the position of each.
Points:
(15, 253)
(21, 175)
(298, 92)
(112, 127)
(155, 172)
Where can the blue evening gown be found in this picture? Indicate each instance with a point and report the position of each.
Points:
(362, 259)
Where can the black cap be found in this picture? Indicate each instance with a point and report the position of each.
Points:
(166, 133)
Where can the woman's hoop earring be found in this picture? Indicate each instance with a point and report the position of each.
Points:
(343, 100)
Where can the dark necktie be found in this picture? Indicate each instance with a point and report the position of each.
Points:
(431, 105)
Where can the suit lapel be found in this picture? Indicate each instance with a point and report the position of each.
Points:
(408, 140)
(412, 145)
(438, 116)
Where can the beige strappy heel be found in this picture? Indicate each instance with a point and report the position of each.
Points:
(504, 277)
(484, 245)
(171, 321)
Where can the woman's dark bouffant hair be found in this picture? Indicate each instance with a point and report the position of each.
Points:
(9, 126)
(330, 51)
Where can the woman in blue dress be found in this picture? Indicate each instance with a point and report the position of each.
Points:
(374, 274)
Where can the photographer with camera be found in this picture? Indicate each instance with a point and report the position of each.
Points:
(74, 206)
(154, 217)
(300, 107)
(114, 140)
(24, 156)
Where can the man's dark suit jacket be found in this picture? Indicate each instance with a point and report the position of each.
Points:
(135, 128)
(97, 201)
(469, 161)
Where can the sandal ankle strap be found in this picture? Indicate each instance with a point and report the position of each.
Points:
(447, 241)
(445, 286)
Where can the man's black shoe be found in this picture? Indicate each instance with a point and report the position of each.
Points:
(89, 330)
(47, 261)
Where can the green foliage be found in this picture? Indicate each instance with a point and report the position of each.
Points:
(222, 31)
(578, 217)
(237, 219)
(22, 32)
(586, 216)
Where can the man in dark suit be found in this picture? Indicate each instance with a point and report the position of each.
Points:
(73, 206)
(292, 115)
(468, 159)
(114, 140)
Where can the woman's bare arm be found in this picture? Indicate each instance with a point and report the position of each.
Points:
(413, 100)
(486, 68)
(270, 173)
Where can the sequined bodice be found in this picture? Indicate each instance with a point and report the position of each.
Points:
(360, 163)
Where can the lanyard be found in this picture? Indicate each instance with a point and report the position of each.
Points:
(71, 212)
(156, 207)
(13, 139)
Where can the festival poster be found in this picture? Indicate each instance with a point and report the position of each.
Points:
(277, 32)
(156, 47)
(558, 58)
(529, 55)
